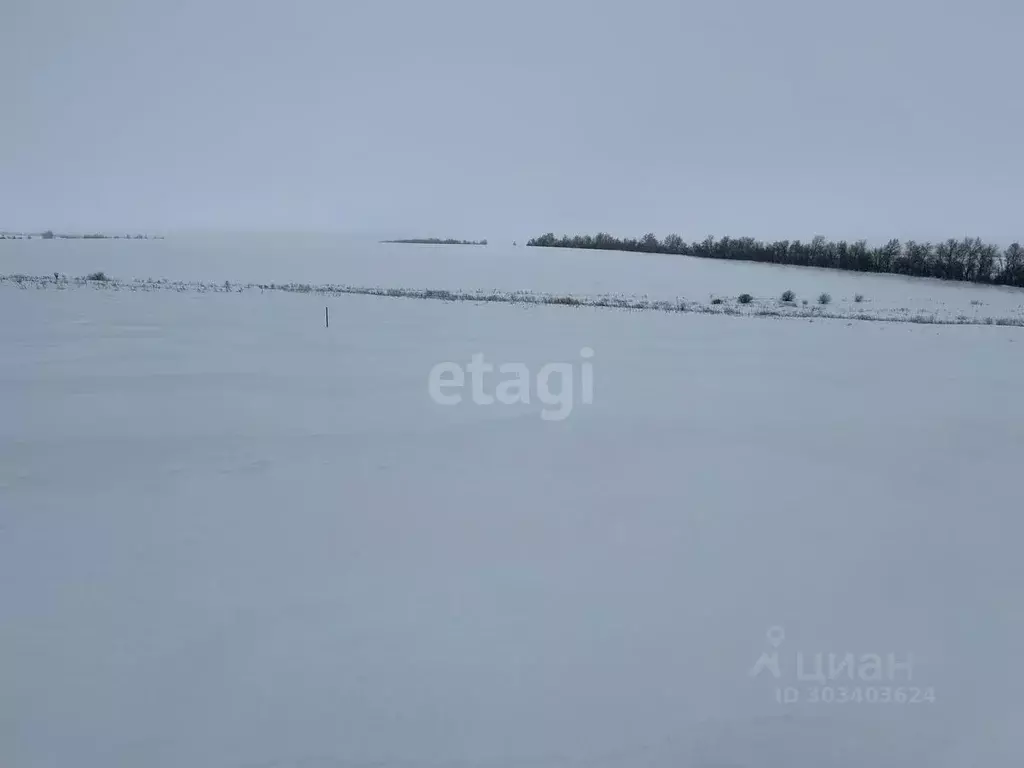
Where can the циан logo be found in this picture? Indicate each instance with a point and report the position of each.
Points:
(865, 678)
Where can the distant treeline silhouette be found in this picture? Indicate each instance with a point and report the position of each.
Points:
(968, 259)
(49, 235)
(437, 241)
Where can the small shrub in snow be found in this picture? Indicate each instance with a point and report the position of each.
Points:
(717, 301)
(788, 296)
(859, 298)
(805, 302)
(976, 302)
(824, 299)
(99, 277)
(745, 298)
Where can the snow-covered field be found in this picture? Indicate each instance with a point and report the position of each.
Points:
(331, 259)
(233, 538)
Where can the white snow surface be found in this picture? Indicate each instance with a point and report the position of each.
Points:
(320, 259)
(233, 538)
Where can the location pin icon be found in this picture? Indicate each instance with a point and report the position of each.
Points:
(775, 636)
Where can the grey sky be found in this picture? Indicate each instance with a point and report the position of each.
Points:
(483, 119)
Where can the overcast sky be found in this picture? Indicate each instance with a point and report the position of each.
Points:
(491, 119)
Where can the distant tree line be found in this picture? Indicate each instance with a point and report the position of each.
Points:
(968, 259)
(49, 235)
(437, 241)
(98, 236)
